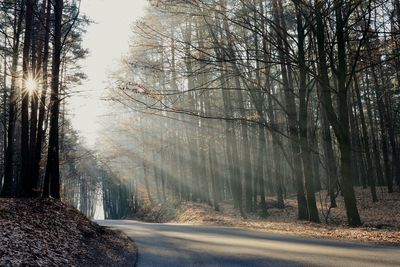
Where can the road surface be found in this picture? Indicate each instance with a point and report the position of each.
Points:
(183, 245)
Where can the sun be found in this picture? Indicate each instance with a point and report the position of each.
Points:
(31, 84)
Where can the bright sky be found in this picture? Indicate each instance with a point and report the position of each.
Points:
(107, 40)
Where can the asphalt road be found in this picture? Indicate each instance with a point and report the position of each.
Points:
(182, 245)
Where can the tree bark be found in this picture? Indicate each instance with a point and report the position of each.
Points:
(26, 189)
(340, 123)
(303, 122)
(370, 177)
(52, 177)
(9, 179)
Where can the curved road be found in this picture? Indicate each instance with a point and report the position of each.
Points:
(183, 245)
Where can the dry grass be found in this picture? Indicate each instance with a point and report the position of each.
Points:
(381, 220)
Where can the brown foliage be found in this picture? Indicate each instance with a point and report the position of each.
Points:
(36, 232)
(381, 220)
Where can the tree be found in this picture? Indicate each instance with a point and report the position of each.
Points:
(52, 177)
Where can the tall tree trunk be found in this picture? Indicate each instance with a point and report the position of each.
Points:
(42, 104)
(303, 117)
(4, 110)
(262, 146)
(343, 112)
(245, 148)
(26, 189)
(303, 213)
(40, 39)
(232, 146)
(213, 163)
(356, 159)
(340, 123)
(146, 180)
(52, 177)
(358, 143)
(9, 179)
(370, 177)
(329, 156)
(376, 152)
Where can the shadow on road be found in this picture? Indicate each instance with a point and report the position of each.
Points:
(187, 245)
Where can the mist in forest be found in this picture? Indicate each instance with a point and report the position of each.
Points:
(239, 101)
(213, 101)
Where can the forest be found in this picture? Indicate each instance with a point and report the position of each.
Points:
(239, 101)
(217, 101)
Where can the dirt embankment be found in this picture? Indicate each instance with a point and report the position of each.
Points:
(36, 232)
(381, 220)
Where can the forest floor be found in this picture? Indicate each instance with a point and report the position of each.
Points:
(381, 220)
(36, 232)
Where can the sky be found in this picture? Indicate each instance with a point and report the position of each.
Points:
(107, 40)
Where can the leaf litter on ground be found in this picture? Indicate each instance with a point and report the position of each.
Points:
(381, 220)
(47, 232)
